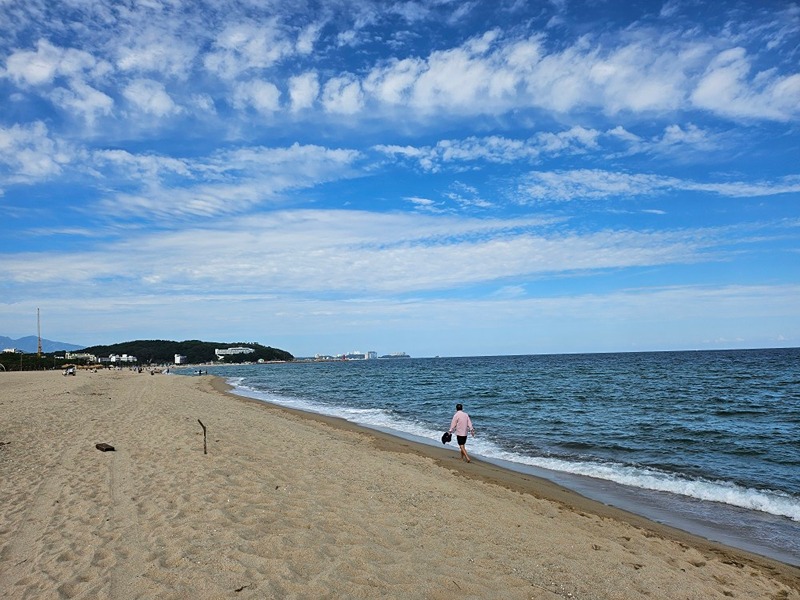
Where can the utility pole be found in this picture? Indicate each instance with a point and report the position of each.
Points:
(39, 333)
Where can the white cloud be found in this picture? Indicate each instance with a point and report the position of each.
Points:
(248, 45)
(466, 196)
(303, 91)
(491, 74)
(140, 167)
(458, 79)
(670, 9)
(150, 97)
(427, 158)
(356, 252)
(261, 95)
(642, 71)
(636, 70)
(743, 189)
(347, 38)
(28, 153)
(342, 95)
(621, 133)
(392, 84)
(589, 183)
(227, 182)
(412, 12)
(42, 66)
(307, 38)
(203, 102)
(576, 139)
(425, 204)
(84, 100)
(497, 149)
(492, 149)
(596, 184)
(462, 10)
(636, 77)
(724, 88)
(680, 143)
(682, 138)
(155, 51)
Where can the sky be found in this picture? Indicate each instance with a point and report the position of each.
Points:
(436, 177)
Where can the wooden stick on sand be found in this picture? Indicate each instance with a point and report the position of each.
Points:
(205, 443)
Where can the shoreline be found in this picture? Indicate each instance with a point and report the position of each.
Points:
(523, 483)
(288, 504)
(729, 525)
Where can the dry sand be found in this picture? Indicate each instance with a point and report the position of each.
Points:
(286, 505)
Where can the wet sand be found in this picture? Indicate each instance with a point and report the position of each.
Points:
(294, 505)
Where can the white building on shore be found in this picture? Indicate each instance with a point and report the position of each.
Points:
(125, 358)
(223, 352)
(90, 358)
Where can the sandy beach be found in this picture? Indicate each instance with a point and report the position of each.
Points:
(290, 505)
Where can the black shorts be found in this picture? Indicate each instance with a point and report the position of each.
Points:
(462, 440)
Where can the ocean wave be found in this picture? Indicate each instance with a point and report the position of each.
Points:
(767, 501)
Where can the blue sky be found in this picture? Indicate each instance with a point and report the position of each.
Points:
(437, 177)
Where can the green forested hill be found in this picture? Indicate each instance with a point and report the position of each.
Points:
(164, 351)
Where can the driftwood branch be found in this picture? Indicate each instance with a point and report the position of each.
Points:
(205, 440)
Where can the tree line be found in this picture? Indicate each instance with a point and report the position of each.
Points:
(195, 351)
(147, 352)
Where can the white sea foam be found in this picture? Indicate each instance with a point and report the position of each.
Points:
(767, 501)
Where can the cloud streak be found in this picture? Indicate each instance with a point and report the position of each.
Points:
(355, 253)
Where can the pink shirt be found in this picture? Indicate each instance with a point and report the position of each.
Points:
(461, 423)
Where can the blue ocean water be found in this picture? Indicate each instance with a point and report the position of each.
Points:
(706, 441)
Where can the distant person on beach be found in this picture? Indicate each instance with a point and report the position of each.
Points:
(461, 424)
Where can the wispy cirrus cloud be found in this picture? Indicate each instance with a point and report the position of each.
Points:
(581, 184)
(227, 182)
(675, 141)
(357, 252)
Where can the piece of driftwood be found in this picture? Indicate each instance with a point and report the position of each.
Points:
(205, 443)
(104, 447)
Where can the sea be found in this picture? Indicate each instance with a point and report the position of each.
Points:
(705, 441)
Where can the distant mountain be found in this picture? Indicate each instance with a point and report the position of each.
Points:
(30, 344)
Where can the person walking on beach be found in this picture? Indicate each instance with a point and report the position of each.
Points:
(461, 424)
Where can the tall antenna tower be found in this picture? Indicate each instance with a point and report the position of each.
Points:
(39, 333)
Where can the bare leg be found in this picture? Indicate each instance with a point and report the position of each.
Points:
(464, 454)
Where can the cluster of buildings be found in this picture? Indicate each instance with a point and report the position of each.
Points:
(126, 359)
(347, 356)
(180, 359)
(223, 352)
(113, 359)
(371, 355)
